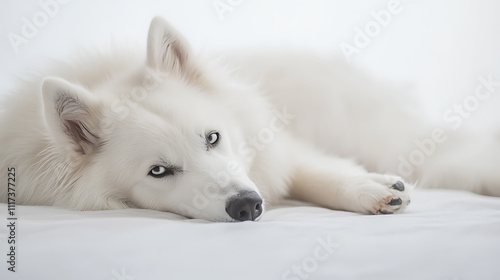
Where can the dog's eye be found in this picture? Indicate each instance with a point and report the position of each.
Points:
(212, 139)
(159, 171)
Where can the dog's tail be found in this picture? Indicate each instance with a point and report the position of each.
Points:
(459, 160)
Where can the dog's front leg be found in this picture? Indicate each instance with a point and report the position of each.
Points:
(340, 184)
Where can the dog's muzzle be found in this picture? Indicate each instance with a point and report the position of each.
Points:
(245, 206)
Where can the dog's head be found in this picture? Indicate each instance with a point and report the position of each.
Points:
(163, 137)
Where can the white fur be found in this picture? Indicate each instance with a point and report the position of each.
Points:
(345, 113)
(85, 135)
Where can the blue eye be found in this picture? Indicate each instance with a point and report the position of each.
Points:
(159, 171)
(212, 139)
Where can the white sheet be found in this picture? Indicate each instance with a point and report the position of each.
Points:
(446, 235)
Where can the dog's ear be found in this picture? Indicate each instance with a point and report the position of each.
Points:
(168, 51)
(72, 115)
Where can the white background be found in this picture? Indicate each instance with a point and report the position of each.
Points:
(439, 49)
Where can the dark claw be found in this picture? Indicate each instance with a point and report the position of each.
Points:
(395, 201)
(399, 186)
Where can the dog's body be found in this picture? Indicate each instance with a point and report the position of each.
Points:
(180, 134)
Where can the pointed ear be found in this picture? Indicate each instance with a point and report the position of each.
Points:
(72, 115)
(167, 49)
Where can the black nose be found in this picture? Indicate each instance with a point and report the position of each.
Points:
(245, 206)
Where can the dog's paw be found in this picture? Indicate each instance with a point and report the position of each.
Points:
(382, 194)
(395, 202)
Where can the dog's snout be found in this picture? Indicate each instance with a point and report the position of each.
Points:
(245, 206)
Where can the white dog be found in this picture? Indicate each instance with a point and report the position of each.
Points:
(176, 132)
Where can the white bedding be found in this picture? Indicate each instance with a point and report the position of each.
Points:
(446, 235)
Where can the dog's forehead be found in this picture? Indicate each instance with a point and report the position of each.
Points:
(164, 112)
(177, 102)
(165, 119)
(150, 136)
(162, 120)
